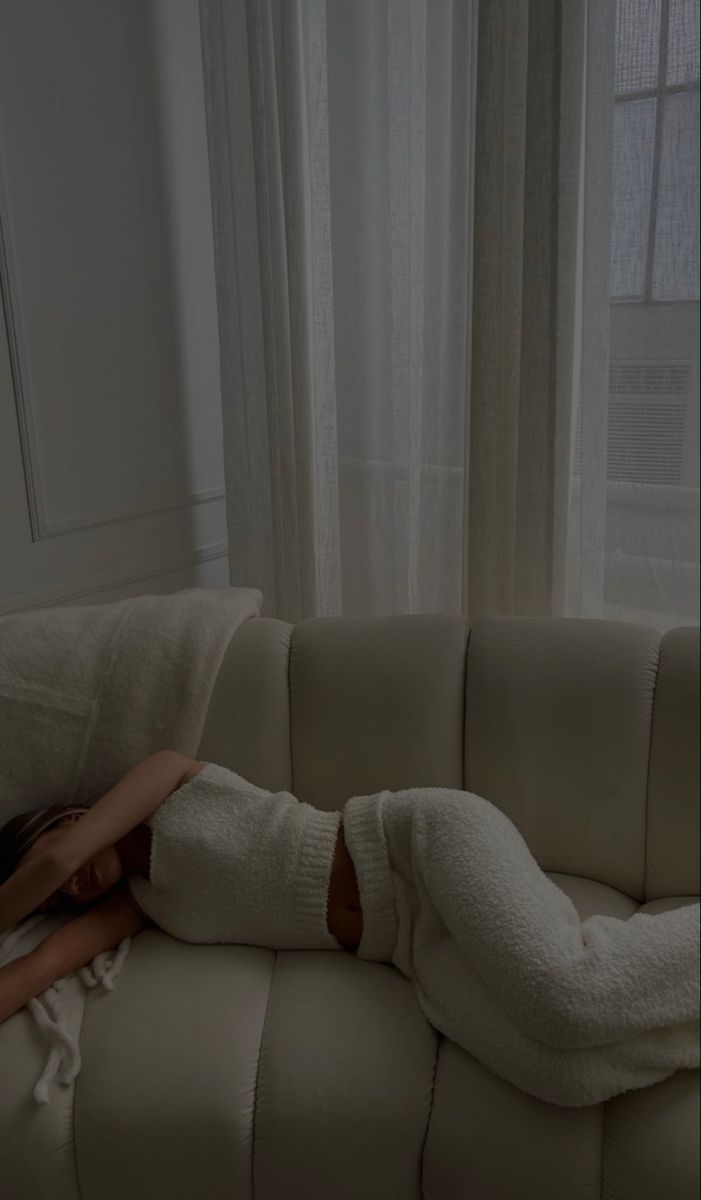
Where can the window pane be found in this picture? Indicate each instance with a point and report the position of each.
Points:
(633, 144)
(683, 53)
(637, 44)
(676, 266)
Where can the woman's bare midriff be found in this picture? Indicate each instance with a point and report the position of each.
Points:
(344, 915)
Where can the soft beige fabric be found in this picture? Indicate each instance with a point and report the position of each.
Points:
(86, 692)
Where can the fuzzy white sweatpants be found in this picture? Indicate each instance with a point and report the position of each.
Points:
(571, 1011)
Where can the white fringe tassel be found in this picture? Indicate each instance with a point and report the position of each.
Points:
(63, 1062)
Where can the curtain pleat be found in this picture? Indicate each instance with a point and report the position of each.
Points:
(527, 210)
(588, 518)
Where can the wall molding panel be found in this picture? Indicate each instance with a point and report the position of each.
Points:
(80, 523)
(42, 527)
(15, 342)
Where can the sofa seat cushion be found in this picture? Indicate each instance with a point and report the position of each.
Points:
(232, 1070)
(224, 1071)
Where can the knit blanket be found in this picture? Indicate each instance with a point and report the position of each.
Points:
(85, 693)
(573, 1012)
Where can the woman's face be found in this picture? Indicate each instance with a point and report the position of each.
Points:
(85, 885)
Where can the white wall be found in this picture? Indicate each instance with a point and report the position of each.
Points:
(111, 471)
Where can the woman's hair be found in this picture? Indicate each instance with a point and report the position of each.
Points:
(19, 834)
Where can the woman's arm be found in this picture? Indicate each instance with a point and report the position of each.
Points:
(133, 800)
(101, 927)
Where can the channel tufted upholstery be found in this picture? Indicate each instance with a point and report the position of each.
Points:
(234, 1073)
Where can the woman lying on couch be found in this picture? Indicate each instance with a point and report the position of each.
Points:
(434, 880)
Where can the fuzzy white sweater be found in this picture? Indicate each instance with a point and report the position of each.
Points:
(231, 862)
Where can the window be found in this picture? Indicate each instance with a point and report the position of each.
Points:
(651, 569)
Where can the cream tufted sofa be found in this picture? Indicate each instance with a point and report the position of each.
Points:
(230, 1072)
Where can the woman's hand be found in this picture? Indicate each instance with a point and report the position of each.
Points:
(101, 927)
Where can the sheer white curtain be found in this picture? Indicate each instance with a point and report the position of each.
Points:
(416, 208)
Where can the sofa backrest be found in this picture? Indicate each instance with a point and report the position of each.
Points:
(674, 784)
(584, 732)
(560, 715)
